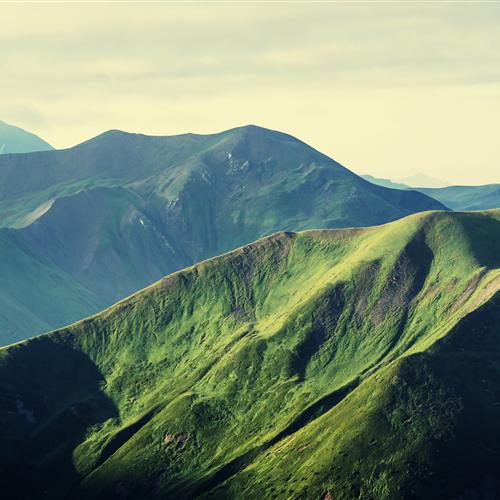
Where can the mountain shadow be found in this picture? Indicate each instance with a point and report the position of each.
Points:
(50, 396)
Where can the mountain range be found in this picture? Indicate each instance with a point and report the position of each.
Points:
(84, 227)
(349, 363)
(422, 180)
(17, 140)
(483, 197)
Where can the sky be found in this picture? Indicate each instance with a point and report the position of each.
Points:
(387, 88)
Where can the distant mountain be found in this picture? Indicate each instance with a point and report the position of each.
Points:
(454, 197)
(410, 182)
(360, 363)
(467, 197)
(385, 182)
(422, 180)
(16, 140)
(89, 225)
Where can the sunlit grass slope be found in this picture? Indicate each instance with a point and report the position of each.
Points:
(357, 363)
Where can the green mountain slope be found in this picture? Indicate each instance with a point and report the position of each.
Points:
(16, 140)
(455, 197)
(359, 363)
(118, 212)
(24, 275)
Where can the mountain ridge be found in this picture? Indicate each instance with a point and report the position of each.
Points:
(165, 203)
(427, 216)
(455, 197)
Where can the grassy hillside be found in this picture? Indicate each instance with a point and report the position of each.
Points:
(359, 363)
(16, 140)
(118, 212)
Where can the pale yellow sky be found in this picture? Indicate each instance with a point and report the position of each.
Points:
(389, 89)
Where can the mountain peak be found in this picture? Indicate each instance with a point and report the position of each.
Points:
(252, 130)
(14, 139)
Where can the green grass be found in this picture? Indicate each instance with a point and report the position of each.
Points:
(360, 362)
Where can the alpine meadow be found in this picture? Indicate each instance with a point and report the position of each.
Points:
(249, 250)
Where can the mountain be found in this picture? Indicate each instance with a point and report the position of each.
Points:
(482, 197)
(467, 197)
(87, 226)
(16, 140)
(355, 363)
(385, 182)
(416, 181)
(422, 180)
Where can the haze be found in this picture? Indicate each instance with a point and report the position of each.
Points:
(389, 89)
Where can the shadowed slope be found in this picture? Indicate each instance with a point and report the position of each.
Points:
(50, 396)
